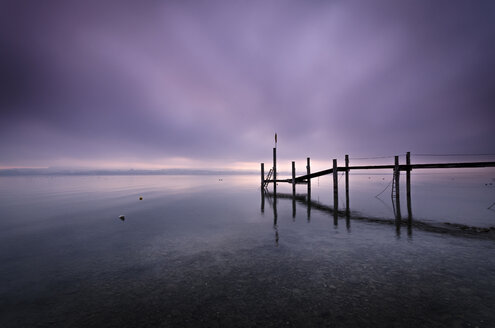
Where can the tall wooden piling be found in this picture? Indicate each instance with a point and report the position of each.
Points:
(293, 178)
(408, 185)
(308, 172)
(262, 175)
(275, 170)
(397, 186)
(335, 186)
(347, 185)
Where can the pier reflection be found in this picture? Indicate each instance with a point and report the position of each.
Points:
(305, 200)
(398, 222)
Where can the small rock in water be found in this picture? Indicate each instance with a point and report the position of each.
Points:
(122, 217)
(141, 198)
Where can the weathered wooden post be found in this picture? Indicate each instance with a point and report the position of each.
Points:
(308, 172)
(335, 185)
(294, 190)
(293, 178)
(397, 186)
(347, 208)
(347, 185)
(262, 175)
(408, 185)
(274, 170)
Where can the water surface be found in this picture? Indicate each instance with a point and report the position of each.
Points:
(206, 251)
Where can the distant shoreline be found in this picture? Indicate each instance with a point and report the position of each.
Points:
(76, 172)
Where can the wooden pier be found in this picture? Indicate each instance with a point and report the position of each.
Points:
(396, 168)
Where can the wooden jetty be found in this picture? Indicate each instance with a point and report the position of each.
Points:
(396, 168)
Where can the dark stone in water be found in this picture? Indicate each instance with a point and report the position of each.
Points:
(122, 217)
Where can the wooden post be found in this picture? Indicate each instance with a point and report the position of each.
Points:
(335, 184)
(293, 178)
(293, 190)
(347, 185)
(274, 170)
(335, 187)
(408, 185)
(347, 208)
(308, 171)
(262, 175)
(397, 186)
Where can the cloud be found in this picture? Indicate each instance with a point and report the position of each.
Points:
(213, 80)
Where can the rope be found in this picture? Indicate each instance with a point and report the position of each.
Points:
(385, 188)
(341, 176)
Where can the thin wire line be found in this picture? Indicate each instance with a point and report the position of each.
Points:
(453, 154)
(377, 157)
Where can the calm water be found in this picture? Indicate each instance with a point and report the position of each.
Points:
(200, 252)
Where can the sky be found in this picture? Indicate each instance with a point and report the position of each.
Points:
(206, 84)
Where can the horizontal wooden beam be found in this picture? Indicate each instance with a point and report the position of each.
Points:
(304, 178)
(314, 175)
(449, 165)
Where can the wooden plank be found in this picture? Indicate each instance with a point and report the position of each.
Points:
(449, 165)
(288, 181)
(314, 175)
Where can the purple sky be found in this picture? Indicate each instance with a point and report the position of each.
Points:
(148, 84)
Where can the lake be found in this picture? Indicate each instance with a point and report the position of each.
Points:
(215, 251)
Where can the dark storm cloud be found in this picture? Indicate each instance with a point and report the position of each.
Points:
(208, 79)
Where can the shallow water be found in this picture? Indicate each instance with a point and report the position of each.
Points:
(197, 251)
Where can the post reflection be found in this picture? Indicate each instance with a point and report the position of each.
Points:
(308, 213)
(306, 200)
(272, 200)
(293, 209)
(398, 217)
(262, 200)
